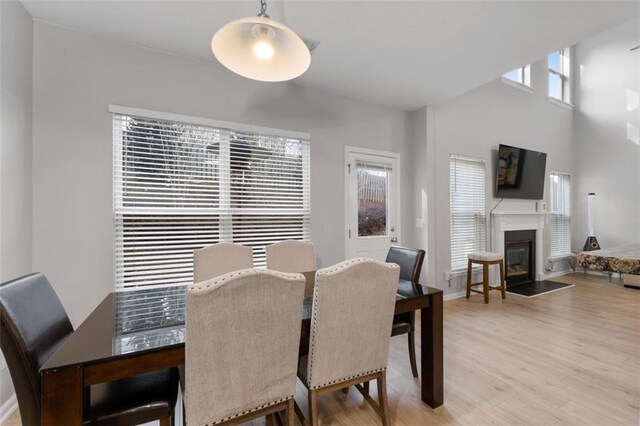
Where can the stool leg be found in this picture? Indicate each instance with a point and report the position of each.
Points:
(503, 284)
(468, 278)
(485, 282)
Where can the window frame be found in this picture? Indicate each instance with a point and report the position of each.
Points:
(482, 244)
(564, 75)
(229, 221)
(524, 74)
(559, 215)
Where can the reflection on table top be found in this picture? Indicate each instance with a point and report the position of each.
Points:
(151, 319)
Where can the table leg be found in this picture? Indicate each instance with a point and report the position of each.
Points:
(62, 397)
(432, 378)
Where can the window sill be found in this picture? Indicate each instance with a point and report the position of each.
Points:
(519, 86)
(558, 102)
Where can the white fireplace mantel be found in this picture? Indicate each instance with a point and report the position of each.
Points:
(503, 221)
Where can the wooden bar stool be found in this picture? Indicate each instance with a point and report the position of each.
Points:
(485, 259)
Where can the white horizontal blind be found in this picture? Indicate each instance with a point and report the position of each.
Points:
(468, 216)
(560, 208)
(181, 186)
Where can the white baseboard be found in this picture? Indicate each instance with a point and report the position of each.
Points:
(8, 408)
(556, 274)
(454, 296)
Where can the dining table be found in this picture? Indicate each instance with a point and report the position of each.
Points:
(142, 330)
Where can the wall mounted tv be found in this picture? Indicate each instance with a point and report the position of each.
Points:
(520, 173)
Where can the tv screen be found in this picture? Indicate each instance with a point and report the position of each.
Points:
(520, 173)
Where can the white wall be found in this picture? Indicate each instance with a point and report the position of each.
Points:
(607, 139)
(474, 124)
(416, 221)
(76, 75)
(16, 54)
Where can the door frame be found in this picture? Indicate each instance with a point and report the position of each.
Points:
(395, 157)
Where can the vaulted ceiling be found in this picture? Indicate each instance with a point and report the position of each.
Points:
(404, 54)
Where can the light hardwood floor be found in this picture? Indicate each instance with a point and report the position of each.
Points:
(569, 357)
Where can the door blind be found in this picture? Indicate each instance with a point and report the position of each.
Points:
(180, 186)
(560, 209)
(467, 209)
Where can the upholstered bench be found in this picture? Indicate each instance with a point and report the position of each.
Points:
(485, 259)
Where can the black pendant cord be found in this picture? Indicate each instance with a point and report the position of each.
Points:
(263, 9)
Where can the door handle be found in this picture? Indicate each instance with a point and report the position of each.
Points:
(394, 240)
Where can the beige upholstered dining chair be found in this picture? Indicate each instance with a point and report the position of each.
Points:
(352, 314)
(242, 339)
(291, 256)
(219, 259)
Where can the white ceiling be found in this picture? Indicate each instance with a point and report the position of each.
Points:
(404, 54)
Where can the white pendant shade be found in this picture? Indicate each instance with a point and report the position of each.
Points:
(261, 49)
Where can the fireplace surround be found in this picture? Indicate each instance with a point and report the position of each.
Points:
(504, 221)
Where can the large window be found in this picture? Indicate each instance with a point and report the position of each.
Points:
(182, 183)
(560, 76)
(468, 220)
(560, 209)
(520, 75)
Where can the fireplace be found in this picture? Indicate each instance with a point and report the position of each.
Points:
(520, 256)
(506, 222)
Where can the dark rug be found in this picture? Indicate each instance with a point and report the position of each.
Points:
(536, 288)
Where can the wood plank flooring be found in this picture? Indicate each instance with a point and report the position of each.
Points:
(568, 357)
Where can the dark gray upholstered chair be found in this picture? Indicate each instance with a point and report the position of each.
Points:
(33, 325)
(410, 262)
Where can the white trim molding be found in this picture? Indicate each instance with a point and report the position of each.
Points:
(503, 221)
(558, 102)
(396, 158)
(453, 296)
(557, 274)
(517, 85)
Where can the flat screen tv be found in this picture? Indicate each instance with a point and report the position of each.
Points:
(520, 173)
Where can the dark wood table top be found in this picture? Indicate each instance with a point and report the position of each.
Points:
(132, 322)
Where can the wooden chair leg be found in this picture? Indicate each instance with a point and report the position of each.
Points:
(468, 278)
(299, 413)
(166, 421)
(412, 353)
(268, 420)
(345, 390)
(289, 414)
(503, 285)
(313, 407)
(485, 282)
(365, 386)
(382, 398)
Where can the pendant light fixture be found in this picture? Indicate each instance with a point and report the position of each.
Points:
(261, 49)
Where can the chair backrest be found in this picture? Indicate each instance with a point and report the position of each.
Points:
(409, 260)
(219, 259)
(291, 256)
(33, 324)
(352, 314)
(242, 341)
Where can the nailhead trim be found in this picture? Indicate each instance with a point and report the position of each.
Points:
(316, 297)
(242, 273)
(249, 411)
